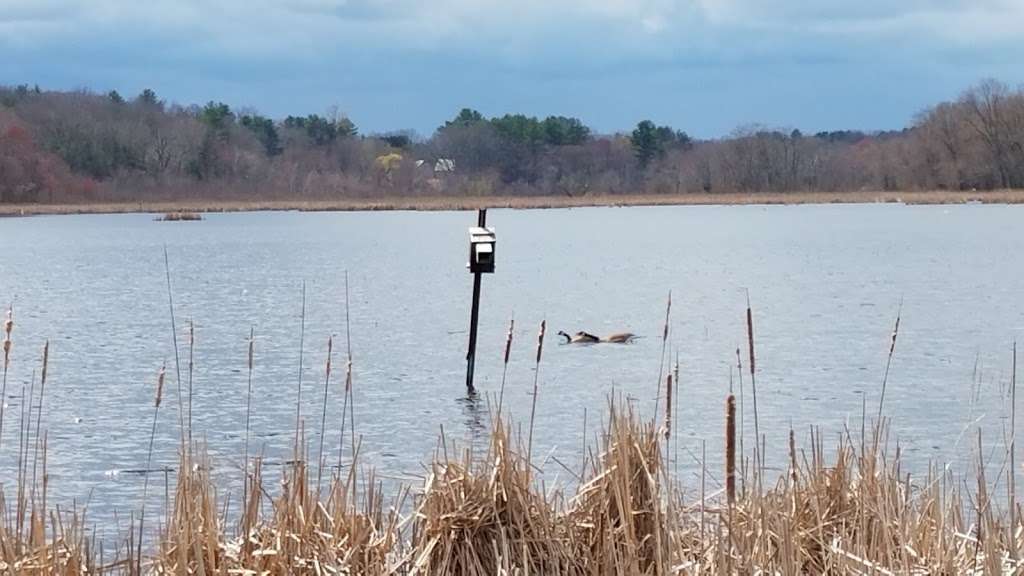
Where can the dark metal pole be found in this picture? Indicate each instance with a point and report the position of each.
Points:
(481, 221)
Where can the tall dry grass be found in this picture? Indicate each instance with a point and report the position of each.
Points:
(847, 508)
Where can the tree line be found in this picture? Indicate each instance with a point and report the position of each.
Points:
(84, 146)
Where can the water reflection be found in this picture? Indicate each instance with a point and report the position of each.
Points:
(474, 417)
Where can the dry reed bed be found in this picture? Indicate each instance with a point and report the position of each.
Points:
(851, 510)
(520, 202)
(484, 514)
(853, 513)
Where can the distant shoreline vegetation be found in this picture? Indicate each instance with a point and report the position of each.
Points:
(160, 209)
(77, 148)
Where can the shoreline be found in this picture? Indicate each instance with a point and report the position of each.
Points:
(519, 202)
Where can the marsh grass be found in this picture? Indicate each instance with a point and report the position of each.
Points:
(435, 203)
(846, 508)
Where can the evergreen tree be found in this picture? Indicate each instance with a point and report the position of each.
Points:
(647, 143)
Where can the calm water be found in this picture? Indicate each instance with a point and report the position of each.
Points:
(825, 283)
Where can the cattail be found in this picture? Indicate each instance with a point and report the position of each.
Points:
(895, 332)
(792, 456)
(753, 384)
(39, 412)
(664, 347)
(248, 411)
(668, 406)
(330, 348)
(8, 326)
(346, 408)
(249, 389)
(540, 339)
(536, 377)
(323, 414)
(668, 312)
(149, 460)
(46, 360)
(298, 389)
(191, 369)
(251, 341)
(675, 410)
(750, 336)
(159, 387)
(888, 360)
(739, 373)
(345, 411)
(508, 339)
(504, 369)
(1012, 488)
(730, 448)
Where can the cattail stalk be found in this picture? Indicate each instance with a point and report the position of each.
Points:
(1011, 527)
(668, 408)
(8, 326)
(753, 384)
(23, 433)
(730, 449)
(323, 414)
(536, 376)
(298, 392)
(346, 405)
(703, 501)
(344, 411)
(888, 361)
(504, 370)
(39, 410)
(664, 346)
(174, 339)
(348, 382)
(191, 367)
(149, 460)
(793, 469)
(675, 416)
(248, 414)
(743, 432)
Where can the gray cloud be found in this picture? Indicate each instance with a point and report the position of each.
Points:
(514, 31)
(398, 63)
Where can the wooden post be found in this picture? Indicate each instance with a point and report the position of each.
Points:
(481, 221)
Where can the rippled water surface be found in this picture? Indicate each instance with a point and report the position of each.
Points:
(825, 282)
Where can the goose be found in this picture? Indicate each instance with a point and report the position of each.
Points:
(620, 338)
(579, 338)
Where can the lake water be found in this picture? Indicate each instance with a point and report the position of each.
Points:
(825, 283)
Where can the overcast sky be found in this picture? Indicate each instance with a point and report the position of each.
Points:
(704, 66)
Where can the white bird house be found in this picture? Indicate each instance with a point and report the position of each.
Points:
(481, 250)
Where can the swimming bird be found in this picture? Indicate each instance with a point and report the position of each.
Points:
(579, 338)
(620, 338)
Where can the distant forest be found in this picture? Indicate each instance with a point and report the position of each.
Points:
(82, 146)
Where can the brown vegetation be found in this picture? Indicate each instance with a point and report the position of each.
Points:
(520, 202)
(853, 513)
(850, 510)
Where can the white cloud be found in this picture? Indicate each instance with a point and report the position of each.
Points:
(988, 19)
(523, 31)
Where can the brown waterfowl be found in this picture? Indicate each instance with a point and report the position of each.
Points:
(579, 338)
(620, 338)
